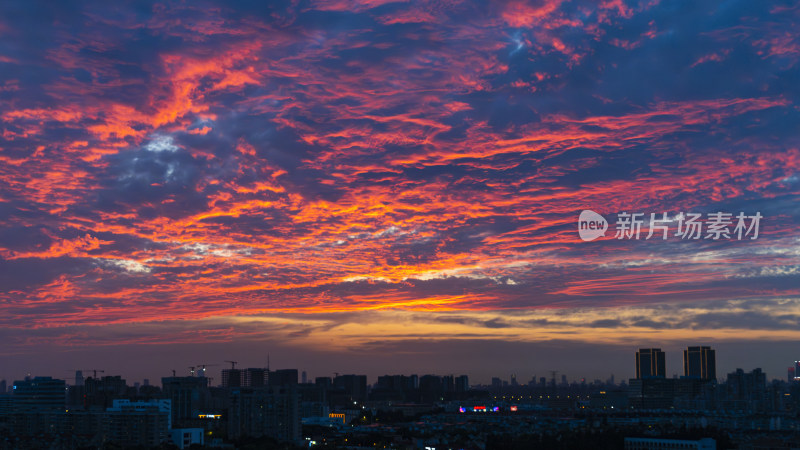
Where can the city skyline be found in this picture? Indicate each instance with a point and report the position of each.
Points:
(262, 405)
(215, 370)
(396, 187)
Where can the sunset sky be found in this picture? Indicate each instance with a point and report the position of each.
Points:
(371, 186)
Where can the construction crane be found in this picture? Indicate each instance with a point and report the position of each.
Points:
(201, 369)
(191, 371)
(233, 364)
(94, 371)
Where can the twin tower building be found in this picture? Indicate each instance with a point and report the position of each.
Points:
(698, 362)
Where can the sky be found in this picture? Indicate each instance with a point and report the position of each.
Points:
(373, 186)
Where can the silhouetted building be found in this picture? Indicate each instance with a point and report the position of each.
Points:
(231, 378)
(254, 377)
(272, 411)
(6, 404)
(354, 386)
(462, 383)
(143, 424)
(665, 393)
(76, 396)
(189, 396)
(283, 377)
(37, 409)
(449, 384)
(101, 392)
(397, 388)
(652, 392)
(747, 390)
(399, 383)
(40, 394)
(431, 388)
(694, 393)
(700, 362)
(147, 391)
(313, 400)
(650, 362)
